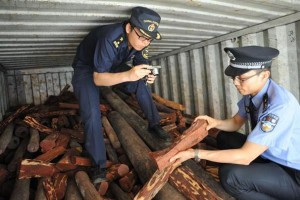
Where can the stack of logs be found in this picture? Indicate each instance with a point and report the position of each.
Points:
(42, 154)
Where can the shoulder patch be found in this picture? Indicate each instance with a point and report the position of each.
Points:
(269, 122)
(118, 41)
(145, 53)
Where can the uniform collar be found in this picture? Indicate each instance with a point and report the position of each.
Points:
(258, 98)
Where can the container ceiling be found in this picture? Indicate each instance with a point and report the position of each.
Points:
(45, 33)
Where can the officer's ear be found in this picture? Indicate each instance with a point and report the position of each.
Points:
(266, 73)
(128, 28)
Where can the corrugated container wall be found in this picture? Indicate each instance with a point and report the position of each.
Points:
(3, 93)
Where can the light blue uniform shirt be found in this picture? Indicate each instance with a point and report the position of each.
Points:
(278, 125)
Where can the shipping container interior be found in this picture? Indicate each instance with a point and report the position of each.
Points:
(38, 40)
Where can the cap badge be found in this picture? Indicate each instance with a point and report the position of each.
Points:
(145, 53)
(151, 27)
(157, 36)
(269, 122)
(230, 55)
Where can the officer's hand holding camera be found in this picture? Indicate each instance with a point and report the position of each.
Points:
(138, 72)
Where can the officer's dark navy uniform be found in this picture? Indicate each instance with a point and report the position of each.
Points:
(105, 49)
(275, 115)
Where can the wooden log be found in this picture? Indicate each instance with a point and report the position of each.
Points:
(191, 185)
(190, 137)
(21, 131)
(118, 193)
(63, 121)
(12, 117)
(111, 153)
(137, 152)
(7, 188)
(14, 142)
(3, 174)
(34, 168)
(157, 181)
(111, 134)
(167, 118)
(162, 108)
(72, 192)
(51, 154)
(35, 124)
(116, 171)
(60, 184)
(62, 140)
(34, 141)
(65, 163)
(21, 190)
(76, 134)
(128, 181)
(168, 103)
(40, 193)
(103, 187)
(49, 142)
(125, 160)
(102, 107)
(5, 137)
(53, 113)
(15, 162)
(81, 161)
(170, 127)
(49, 189)
(85, 186)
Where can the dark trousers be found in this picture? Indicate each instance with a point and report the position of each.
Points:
(88, 96)
(261, 179)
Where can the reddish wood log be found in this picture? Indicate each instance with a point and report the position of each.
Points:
(14, 142)
(170, 127)
(65, 164)
(167, 118)
(81, 161)
(168, 103)
(190, 137)
(62, 140)
(72, 192)
(76, 134)
(53, 113)
(49, 189)
(21, 190)
(34, 168)
(191, 185)
(118, 192)
(128, 181)
(40, 194)
(49, 142)
(103, 187)
(3, 174)
(51, 154)
(157, 181)
(60, 184)
(181, 125)
(103, 108)
(34, 141)
(21, 131)
(111, 134)
(125, 160)
(116, 171)
(35, 124)
(6, 137)
(63, 121)
(12, 117)
(15, 162)
(85, 186)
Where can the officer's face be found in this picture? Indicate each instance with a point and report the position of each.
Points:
(136, 39)
(251, 82)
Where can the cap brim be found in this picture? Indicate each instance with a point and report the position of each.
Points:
(153, 35)
(233, 71)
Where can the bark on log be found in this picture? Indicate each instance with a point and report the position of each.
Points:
(49, 189)
(128, 181)
(154, 185)
(6, 137)
(51, 154)
(168, 103)
(111, 134)
(111, 153)
(14, 142)
(15, 162)
(35, 124)
(137, 151)
(190, 137)
(85, 186)
(60, 184)
(34, 168)
(102, 107)
(118, 193)
(53, 113)
(34, 141)
(135, 121)
(40, 193)
(12, 117)
(72, 192)
(21, 190)
(21, 131)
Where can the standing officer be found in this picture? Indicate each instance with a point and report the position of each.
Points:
(266, 164)
(100, 61)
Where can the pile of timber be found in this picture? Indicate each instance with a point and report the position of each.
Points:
(42, 153)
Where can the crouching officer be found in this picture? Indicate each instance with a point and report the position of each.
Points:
(265, 164)
(100, 61)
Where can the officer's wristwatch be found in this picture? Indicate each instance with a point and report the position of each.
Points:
(197, 158)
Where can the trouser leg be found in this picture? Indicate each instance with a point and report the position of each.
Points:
(258, 181)
(87, 94)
